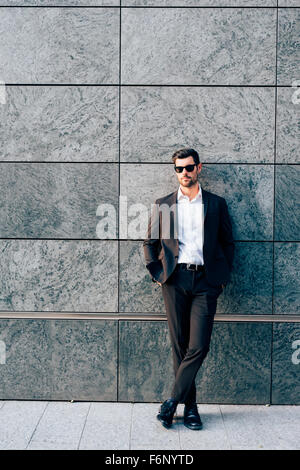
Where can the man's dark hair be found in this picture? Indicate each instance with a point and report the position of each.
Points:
(186, 152)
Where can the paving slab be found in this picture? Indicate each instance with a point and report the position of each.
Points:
(60, 427)
(18, 421)
(108, 426)
(261, 427)
(147, 431)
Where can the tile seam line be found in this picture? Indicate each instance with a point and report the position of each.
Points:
(145, 85)
(131, 426)
(126, 240)
(274, 206)
(119, 153)
(84, 425)
(49, 162)
(37, 424)
(151, 7)
(119, 192)
(225, 427)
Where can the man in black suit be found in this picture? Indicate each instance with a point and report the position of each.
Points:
(189, 252)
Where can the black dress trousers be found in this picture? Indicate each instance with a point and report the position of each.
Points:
(190, 304)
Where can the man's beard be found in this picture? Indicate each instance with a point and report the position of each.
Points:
(189, 182)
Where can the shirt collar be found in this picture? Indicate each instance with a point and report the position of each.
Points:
(182, 196)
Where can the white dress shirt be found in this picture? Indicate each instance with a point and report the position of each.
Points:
(190, 228)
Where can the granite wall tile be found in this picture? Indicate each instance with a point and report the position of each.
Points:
(143, 183)
(84, 3)
(145, 362)
(59, 45)
(84, 360)
(238, 367)
(286, 364)
(58, 276)
(236, 370)
(288, 46)
(227, 124)
(288, 125)
(59, 123)
(287, 208)
(63, 359)
(137, 292)
(26, 373)
(286, 278)
(220, 46)
(289, 3)
(56, 200)
(248, 190)
(249, 291)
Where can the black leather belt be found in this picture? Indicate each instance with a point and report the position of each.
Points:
(192, 267)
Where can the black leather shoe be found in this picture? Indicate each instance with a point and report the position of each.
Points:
(167, 411)
(191, 418)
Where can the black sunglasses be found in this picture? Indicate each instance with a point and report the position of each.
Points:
(179, 169)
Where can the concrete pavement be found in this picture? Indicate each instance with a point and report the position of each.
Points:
(133, 426)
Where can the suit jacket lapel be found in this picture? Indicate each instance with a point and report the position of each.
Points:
(205, 201)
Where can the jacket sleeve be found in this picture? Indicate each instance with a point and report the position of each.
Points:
(225, 234)
(152, 243)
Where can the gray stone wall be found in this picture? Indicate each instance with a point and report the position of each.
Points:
(95, 96)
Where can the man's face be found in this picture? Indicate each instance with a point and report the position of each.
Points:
(187, 178)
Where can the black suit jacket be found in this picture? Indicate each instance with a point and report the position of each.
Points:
(161, 250)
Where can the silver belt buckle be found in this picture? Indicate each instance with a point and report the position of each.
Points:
(188, 267)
